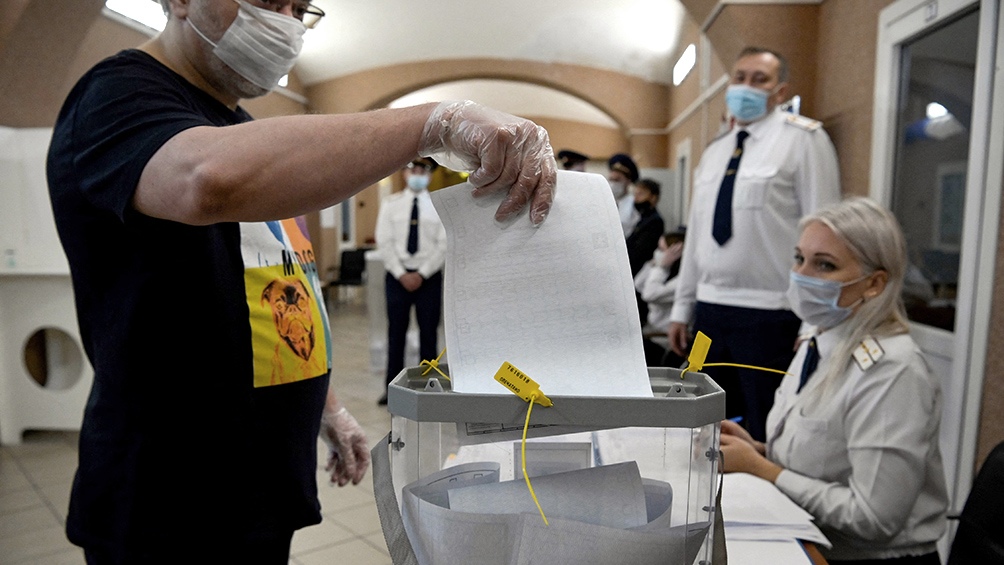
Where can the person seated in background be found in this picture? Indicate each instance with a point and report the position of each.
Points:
(853, 434)
(572, 160)
(656, 284)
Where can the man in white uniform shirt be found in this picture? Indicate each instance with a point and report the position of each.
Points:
(623, 173)
(412, 243)
(752, 186)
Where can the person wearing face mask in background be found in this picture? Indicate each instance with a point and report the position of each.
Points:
(751, 187)
(644, 237)
(623, 173)
(853, 434)
(195, 285)
(655, 283)
(411, 240)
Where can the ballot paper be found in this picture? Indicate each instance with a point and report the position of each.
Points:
(557, 301)
(440, 534)
(755, 510)
(611, 496)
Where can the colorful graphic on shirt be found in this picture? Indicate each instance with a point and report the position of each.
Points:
(289, 325)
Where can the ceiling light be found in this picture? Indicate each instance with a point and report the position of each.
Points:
(935, 110)
(684, 64)
(146, 12)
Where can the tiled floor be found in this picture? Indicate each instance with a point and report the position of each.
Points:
(35, 477)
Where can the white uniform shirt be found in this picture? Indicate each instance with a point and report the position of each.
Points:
(626, 210)
(393, 225)
(865, 461)
(658, 292)
(788, 169)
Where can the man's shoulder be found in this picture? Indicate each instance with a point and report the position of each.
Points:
(802, 122)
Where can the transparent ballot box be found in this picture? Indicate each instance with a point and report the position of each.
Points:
(611, 480)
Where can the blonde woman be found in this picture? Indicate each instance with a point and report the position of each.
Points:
(853, 433)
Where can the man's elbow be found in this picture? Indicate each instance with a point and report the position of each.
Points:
(198, 197)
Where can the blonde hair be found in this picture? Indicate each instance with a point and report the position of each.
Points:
(873, 235)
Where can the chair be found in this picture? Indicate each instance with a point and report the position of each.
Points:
(980, 536)
(351, 270)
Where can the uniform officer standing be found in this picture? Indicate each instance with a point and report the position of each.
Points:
(752, 186)
(412, 243)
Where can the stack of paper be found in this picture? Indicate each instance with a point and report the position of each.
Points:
(557, 301)
(762, 525)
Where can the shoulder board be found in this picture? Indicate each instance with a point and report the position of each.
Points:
(868, 353)
(808, 124)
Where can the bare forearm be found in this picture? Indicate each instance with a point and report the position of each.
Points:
(278, 167)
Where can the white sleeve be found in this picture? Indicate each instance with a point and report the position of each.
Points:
(657, 289)
(385, 242)
(685, 293)
(817, 180)
(890, 423)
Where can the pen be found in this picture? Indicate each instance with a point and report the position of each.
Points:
(737, 419)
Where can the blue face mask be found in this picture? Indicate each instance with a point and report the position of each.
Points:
(418, 183)
(814, 300)
(746, 103)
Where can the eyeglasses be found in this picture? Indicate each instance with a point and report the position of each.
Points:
(306, 12)
(309, 14)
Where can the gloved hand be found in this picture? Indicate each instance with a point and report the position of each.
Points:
(502, 152)
(348, 455)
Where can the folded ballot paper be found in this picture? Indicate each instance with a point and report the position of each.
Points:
(557, 301)
(600, 515)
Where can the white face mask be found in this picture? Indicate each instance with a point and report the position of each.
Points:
(814, 300)
(418, 183)
(260, 45)
(618, 188)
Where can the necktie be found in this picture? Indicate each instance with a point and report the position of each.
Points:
(413, 229)
(809, 365)
(722, 227)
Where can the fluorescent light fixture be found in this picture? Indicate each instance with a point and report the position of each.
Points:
(684, 64)
(284, 81)
(146, 12)
(935, 110)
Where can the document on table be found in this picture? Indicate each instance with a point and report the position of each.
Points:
(762, 525)
(557, 301)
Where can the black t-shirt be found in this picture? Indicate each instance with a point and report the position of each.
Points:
(209, 347)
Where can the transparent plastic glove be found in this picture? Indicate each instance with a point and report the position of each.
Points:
(501, 151)
(348, 455)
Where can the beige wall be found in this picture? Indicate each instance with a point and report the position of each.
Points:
(845, 85)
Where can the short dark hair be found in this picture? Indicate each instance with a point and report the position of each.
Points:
(782, 67)
(651, 185)
(625, 165)
(675, 236)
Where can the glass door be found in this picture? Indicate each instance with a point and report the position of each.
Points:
(937, 137)
(937, 74)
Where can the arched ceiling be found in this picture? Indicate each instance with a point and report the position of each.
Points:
(519, 98)
(635, 37)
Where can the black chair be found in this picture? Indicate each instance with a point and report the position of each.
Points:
(351, 270)
(980, 537)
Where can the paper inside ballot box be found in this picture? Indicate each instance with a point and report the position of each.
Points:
(601, 515)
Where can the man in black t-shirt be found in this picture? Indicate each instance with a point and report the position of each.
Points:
(195, 284)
